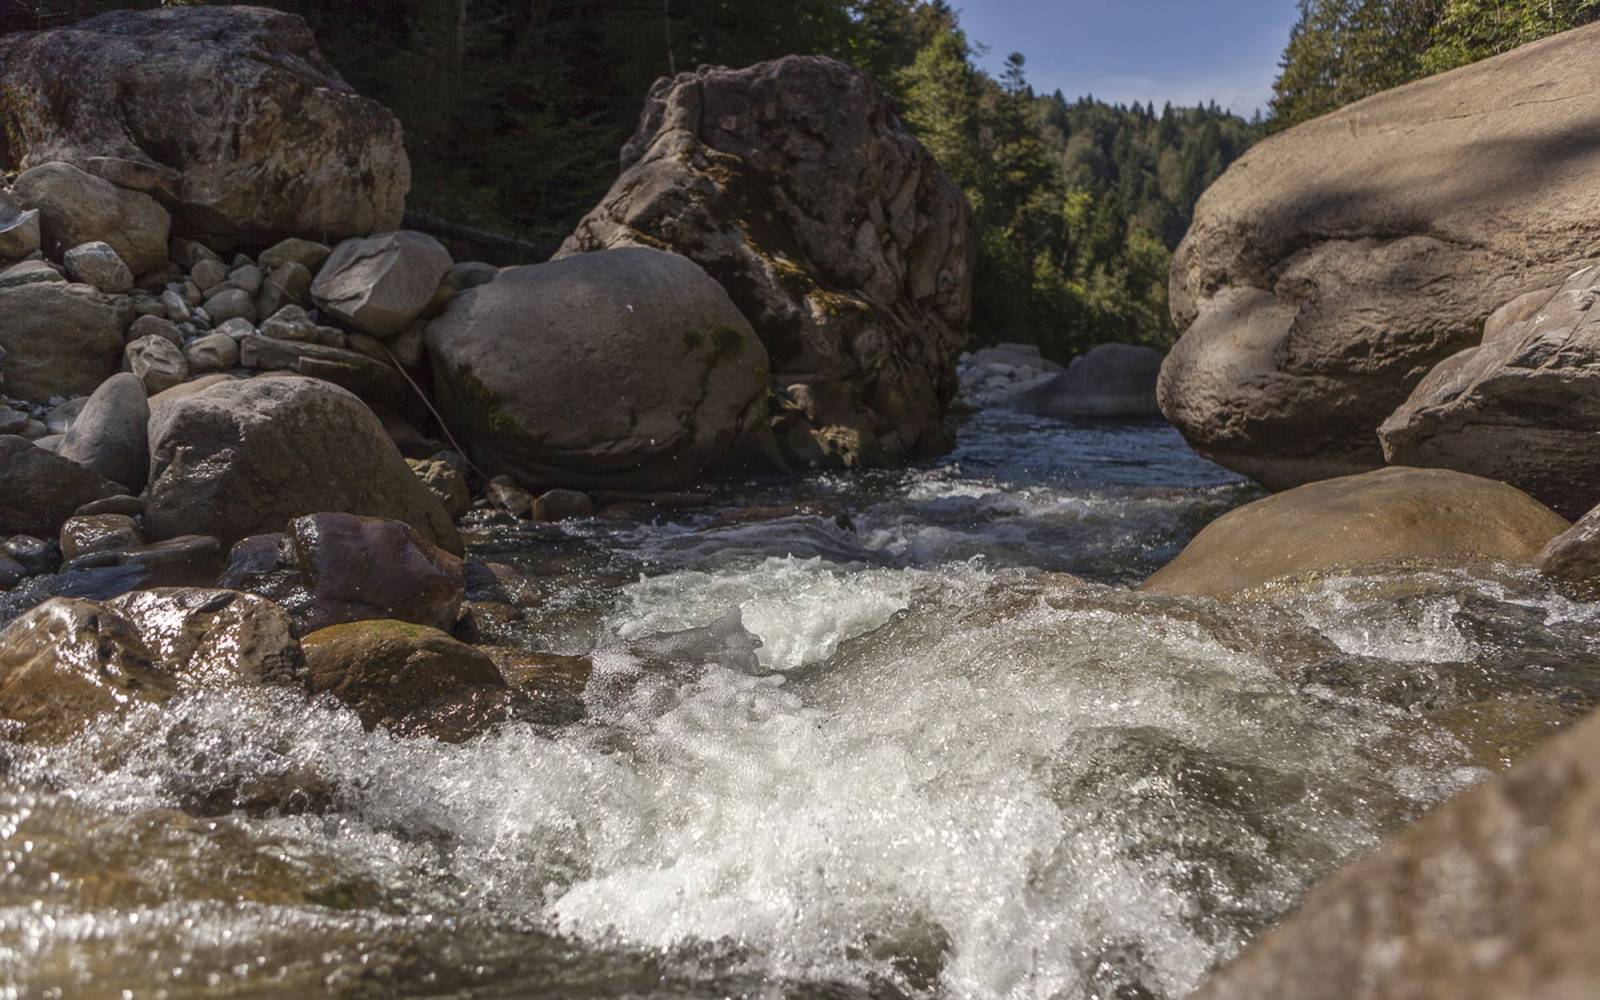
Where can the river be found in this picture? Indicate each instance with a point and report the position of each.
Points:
(897, 734)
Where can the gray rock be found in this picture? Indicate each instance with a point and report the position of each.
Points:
(12, 421)
(98, 265)
(177, 307)
(60, 417)
(189, 254)
(76, 208)
(59, 339)
(795, 185)
(1110, 381)
(374, 381)
(110, 435)
(238, 329)
(19, 230)
(306, 253)
(1335, 263)
(289, 284)
(208, 273)
(155, 326)
(472, 273)
(39, 489)
(246, 278)
(243, 457)
(378, 285)
(231, 303)
(1522, 407)
(35, 555)
(157, 362)
(269, 141)
(214, 352)
(685, 375)
(29, 272)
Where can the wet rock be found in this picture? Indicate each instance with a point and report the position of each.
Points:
(84, 534)
(1522, 407)
(655, 328)
(796, 186)
(206, 636)
(307, 254)
(122, 504)
(446, 482)
(214, 352)
(35, 555)
(184, 561)
(68, 661)
(356, 568)
(1494, 894)
(550, 686)
(1394, 515)
(1574, 554)
(97, 264)
(378, 285)
(39, 489)
(1110, 381)
(110, 435)
(504, 493)
(59, 339)
(242, 457)
(266, 140)
(395, 674)
(77, 208)
(156, 362)
(1335, 263)
(11, 572)
(560, 505)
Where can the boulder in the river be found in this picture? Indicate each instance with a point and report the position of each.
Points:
(111, 433)
(39, 489)
(357, 568)
(1522, 407)
(1388, 517)
(59, 339)
(68, 661)
(1574, 555)
(206, 636)
(397, 674)
(1335, 263)
(245, 456)
(1108, 381)
(1493, 895)
(796, 185)
(627, 368)
(228, 114)
(85, 534)
(77, 208)
(379, 284)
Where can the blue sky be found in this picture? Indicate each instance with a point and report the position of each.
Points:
(1139, 50)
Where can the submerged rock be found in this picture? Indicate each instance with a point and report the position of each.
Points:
(1495, 894)
(207, 636)
(241, 457)
(1522, 407)
(228, 114)
(517, 361)
(1335, 263)
(796, 186)
(1394, 515)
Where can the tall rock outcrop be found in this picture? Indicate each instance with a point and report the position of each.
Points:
(227, 115)
(794, 184)
(1333, 265)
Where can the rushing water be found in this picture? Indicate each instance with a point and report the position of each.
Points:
(912, 736)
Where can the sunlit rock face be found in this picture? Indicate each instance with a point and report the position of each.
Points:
(1334, 264)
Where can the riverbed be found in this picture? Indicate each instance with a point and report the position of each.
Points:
(890, 734)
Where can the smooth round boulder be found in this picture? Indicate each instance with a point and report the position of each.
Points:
(111, 433)
(229, 114)
(378, 285)
(626, 368)
(242, 457)
(1391, 516)
(59, 339)
(77, 208)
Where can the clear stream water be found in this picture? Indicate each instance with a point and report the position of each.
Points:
(936, 749)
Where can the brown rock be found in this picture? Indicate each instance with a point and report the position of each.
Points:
(85, 534)
(39, 489)
(77, 208)
(204, 636)
(357, 568)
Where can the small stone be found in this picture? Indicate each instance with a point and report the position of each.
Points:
(288, 285)
(11, 572)
(446, 482)
(146, 305)
(123, 504)
(379, 284)
(36, 555)
(61, 416)
(157, 362)
(110, 433)
(97, 264)
(232, 303)
(19, 231)
(189, 254)
(155, 326)
(247, 279)
(192, 294)
(294, 250)
(238, 328)
(82, 535)
(177, 308)
(214, 352)
(505, 493)
(12, 421)
(208, 274)
(560, 505)
(29, 272)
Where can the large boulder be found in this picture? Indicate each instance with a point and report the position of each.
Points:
(1496, 894)
(628, 368)
(1391, 516)
(245, 456)
(58, 339)
(77, 208)
(378, 285)
(1522, 407)
(1109, 381)
(1334, 264)
(795, 185)
(39, 489)
(229, 115)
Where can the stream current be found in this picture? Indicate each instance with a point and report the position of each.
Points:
(897, 734)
